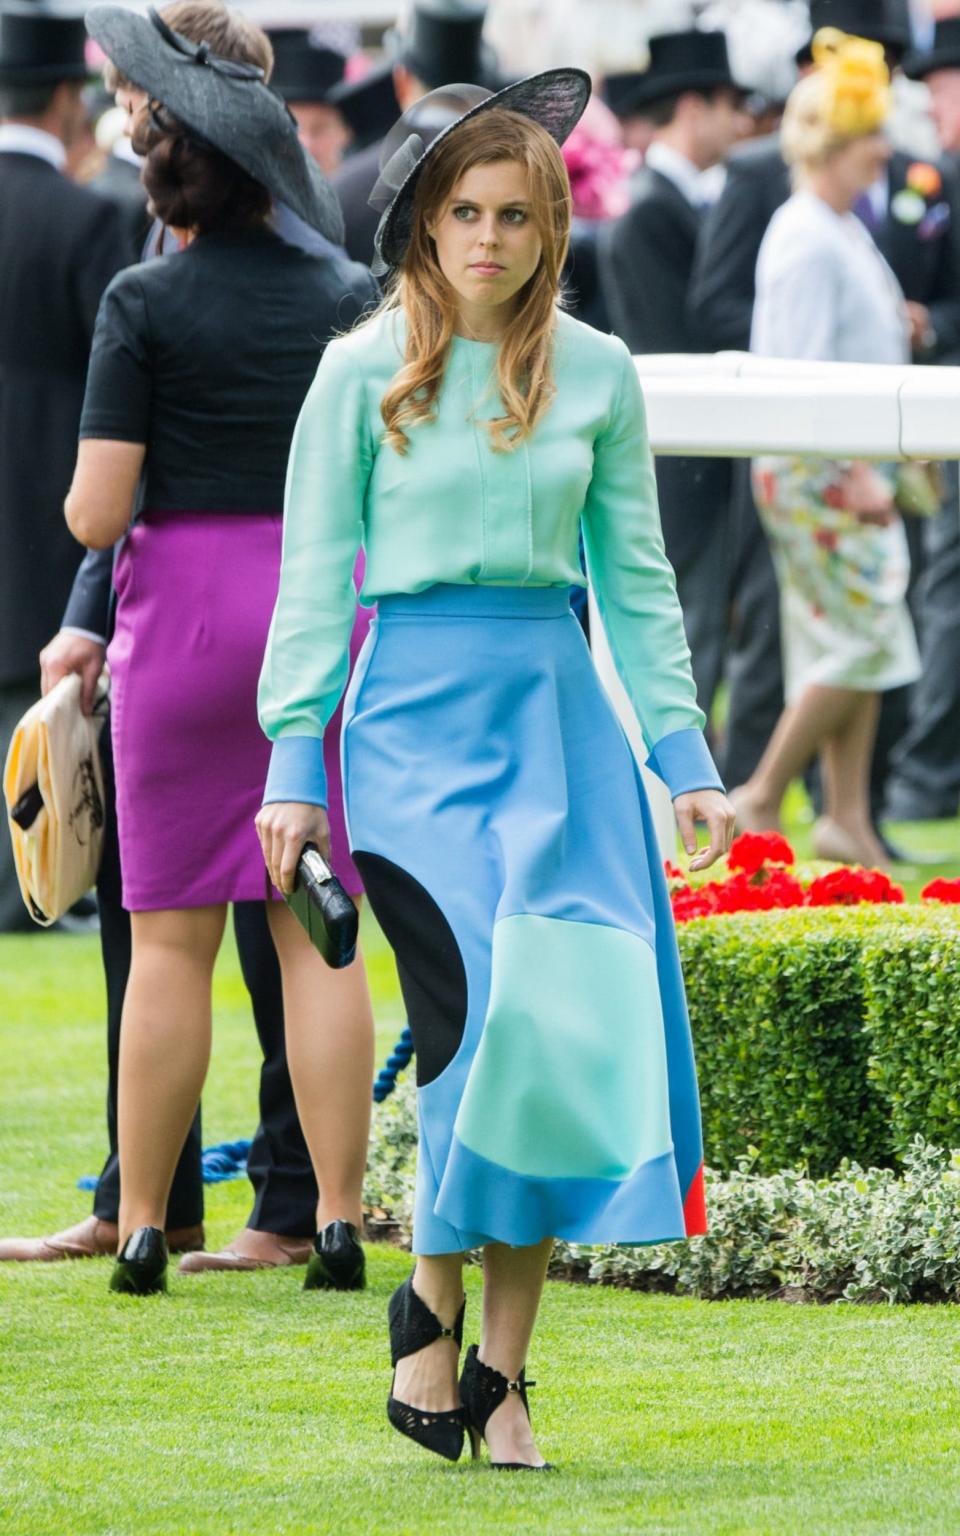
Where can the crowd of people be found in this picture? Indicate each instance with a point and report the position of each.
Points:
(288, 335)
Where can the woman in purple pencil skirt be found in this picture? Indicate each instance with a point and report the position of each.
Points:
(201, 361)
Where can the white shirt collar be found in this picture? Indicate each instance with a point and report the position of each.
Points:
(698, 187)
(22, 139)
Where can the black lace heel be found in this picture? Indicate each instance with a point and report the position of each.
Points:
(141, 1267)
(482, 1390)
(412, 1327)
(337, 1262)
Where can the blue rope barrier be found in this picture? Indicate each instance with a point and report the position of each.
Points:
(399, 1058)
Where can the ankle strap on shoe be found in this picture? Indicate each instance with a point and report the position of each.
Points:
(413, 1326)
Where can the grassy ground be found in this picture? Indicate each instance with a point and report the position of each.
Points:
(240, 1405)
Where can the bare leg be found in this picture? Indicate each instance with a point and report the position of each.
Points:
(329, 1030)
(846, 758)
(164, 1052)
(513, 1285)
(817, 715)
(428, 1379)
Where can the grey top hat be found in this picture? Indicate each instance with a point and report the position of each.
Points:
(41, 43)
(224, 102)
(555, 99)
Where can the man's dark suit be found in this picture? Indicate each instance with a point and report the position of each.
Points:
(721, 309)
(59, 247)
(119, 181)
(353, 182)
(647, 258)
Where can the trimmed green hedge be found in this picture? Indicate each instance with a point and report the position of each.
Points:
(823, 1034)
(911, 989)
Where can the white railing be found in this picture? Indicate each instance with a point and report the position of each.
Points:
(732, 404)
(735, 405)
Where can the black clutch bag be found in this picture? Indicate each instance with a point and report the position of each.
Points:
(324, 909)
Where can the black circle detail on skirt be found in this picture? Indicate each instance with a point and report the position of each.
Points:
(431, 970)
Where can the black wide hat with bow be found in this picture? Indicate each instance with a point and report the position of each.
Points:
(223, 102)
(943, 54)
(679, 61)
(555, 99)
(41, 43)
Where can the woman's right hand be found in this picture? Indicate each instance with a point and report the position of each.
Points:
(283, 828)
(868, 496)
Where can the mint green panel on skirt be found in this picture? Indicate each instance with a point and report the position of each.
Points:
(574, 1017)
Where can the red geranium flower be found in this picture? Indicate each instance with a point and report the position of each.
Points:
(849, 887)
(742, 893)
(941, 890)
(752, 850)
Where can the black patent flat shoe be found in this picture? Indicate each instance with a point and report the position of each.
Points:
(141, 1267)
(482, 1390)
(412, 1327)
(337, 1262)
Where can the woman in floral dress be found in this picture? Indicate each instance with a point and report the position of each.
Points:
(825, 292)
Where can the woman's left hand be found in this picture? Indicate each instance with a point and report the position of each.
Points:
(713, 807)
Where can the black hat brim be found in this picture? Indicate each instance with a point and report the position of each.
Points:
(242, 118)
(42, 74)
(648, 92)
(556, 99)
(919, 65)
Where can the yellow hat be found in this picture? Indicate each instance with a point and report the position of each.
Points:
(855, 80)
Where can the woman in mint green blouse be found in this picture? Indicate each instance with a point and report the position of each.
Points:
(463, 436)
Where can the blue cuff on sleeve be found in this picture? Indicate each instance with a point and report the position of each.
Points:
(297, 771)
(682, 760)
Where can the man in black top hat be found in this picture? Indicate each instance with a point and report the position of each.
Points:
(647, 258)
(925, 778)
(443, 45)
(305, 72)
(59, 247)
(924, 255)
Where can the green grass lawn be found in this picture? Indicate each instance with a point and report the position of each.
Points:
(240, 1405)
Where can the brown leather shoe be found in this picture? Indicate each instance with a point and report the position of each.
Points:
(89, 1239)
(250, 1250)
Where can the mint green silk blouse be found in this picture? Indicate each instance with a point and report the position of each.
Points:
(453, 510)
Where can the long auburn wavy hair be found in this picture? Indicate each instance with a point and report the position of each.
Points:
(428, 302)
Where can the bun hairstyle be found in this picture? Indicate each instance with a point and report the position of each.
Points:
(190, 184)
(422, 293)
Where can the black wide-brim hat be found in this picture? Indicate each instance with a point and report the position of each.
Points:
(555, 99)
(880, 21)
(303, 70)
(41, 44)
(679, 61)
(223, 102)
(943, 54)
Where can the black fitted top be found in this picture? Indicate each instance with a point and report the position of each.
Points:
(206, 356)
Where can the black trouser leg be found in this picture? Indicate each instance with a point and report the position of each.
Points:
(755, 667)
(279, 1167)
(185, 1206)
(926, 766)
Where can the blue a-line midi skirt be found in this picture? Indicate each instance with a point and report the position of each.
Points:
(500, 825)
